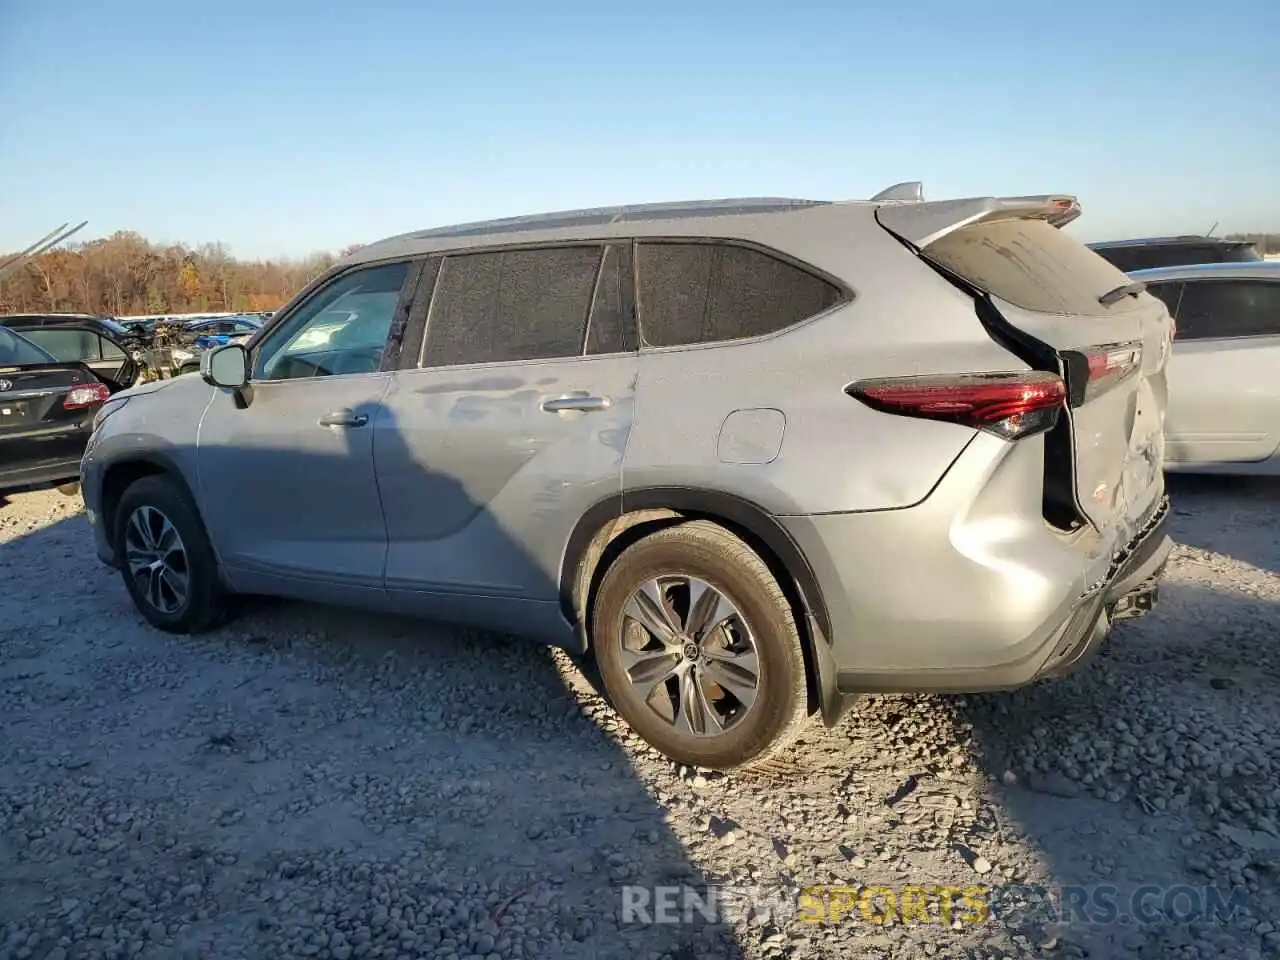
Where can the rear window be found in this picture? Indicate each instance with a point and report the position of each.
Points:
(1148, 256)
(15, 351)
(1031, 264)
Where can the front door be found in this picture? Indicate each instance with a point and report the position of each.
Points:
(286, 467)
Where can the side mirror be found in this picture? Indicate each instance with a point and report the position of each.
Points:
(226, 366)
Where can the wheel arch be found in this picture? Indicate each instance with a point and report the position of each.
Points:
(617, 521)
(119, 475)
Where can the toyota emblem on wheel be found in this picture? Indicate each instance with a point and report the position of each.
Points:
(6, 384)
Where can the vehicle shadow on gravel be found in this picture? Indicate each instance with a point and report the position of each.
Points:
(1122, 776)
(311, 781)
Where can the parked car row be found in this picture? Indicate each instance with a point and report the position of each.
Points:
(46, 448)
(47, 408)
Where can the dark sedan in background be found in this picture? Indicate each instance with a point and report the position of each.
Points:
(46, 414)
(101, 344)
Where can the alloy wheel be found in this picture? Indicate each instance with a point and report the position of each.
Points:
(689, 654)
(157, 559)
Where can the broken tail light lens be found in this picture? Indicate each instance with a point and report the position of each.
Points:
(1008, 405)
(1095, 370)
(86, 395)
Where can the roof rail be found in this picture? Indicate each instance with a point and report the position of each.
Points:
(907, 190)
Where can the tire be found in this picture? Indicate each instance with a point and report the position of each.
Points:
(683, 561)
(155, 501)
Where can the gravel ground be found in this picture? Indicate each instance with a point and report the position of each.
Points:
(310, 782)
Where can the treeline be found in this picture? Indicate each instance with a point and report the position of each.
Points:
(125, 274)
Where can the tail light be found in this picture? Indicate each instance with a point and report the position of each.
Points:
(86, 395)
(1008, 405)
(1094, 371)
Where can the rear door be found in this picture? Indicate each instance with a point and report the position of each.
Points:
(1055, 299)
(1224, 379)
(86, 344)
(507, 421)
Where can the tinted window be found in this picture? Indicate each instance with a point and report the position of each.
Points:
(511, 305)
(1176, 255)
(1168, 291)
(1125, 258)
(67, 345)
(704, 292)
(341, 329)
(109, 350)
(15, 350)
(1228, 308)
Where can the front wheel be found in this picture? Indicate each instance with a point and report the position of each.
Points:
(168, 564)
(698, 648)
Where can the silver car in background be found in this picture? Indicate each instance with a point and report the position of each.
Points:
(1224, 378)
(758, 456)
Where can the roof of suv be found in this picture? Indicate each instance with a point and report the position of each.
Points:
(567, 220)
(763, 218)
(1244, 269)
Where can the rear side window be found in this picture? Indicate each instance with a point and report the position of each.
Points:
(69, 346)
(511, 305)
(1210, 309)
(1033, 265)
(704, 292)
(15, 350)
(1168, 291)
(1130, 258)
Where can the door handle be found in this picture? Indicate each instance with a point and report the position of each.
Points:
(344, 418)
(576, 401)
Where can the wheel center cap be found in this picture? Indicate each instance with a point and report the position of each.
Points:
(691, 651)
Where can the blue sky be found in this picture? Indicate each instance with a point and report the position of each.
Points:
(283, 127)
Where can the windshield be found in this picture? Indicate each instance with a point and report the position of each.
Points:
(18, 351)
(114, 326)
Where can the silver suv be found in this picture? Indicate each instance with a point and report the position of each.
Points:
(758, 456)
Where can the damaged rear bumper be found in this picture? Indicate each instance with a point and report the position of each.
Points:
(1129, 589)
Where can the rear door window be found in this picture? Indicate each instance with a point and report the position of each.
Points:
(68, 345)
(15, 349)
(511, 305)
(692, 293)
(1219, 309)
(1168, 291)
(1033, 265)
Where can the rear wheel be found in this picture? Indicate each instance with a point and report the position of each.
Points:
(698, 648)
(168, 564)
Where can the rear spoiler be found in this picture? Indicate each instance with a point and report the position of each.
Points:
(921, 222)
